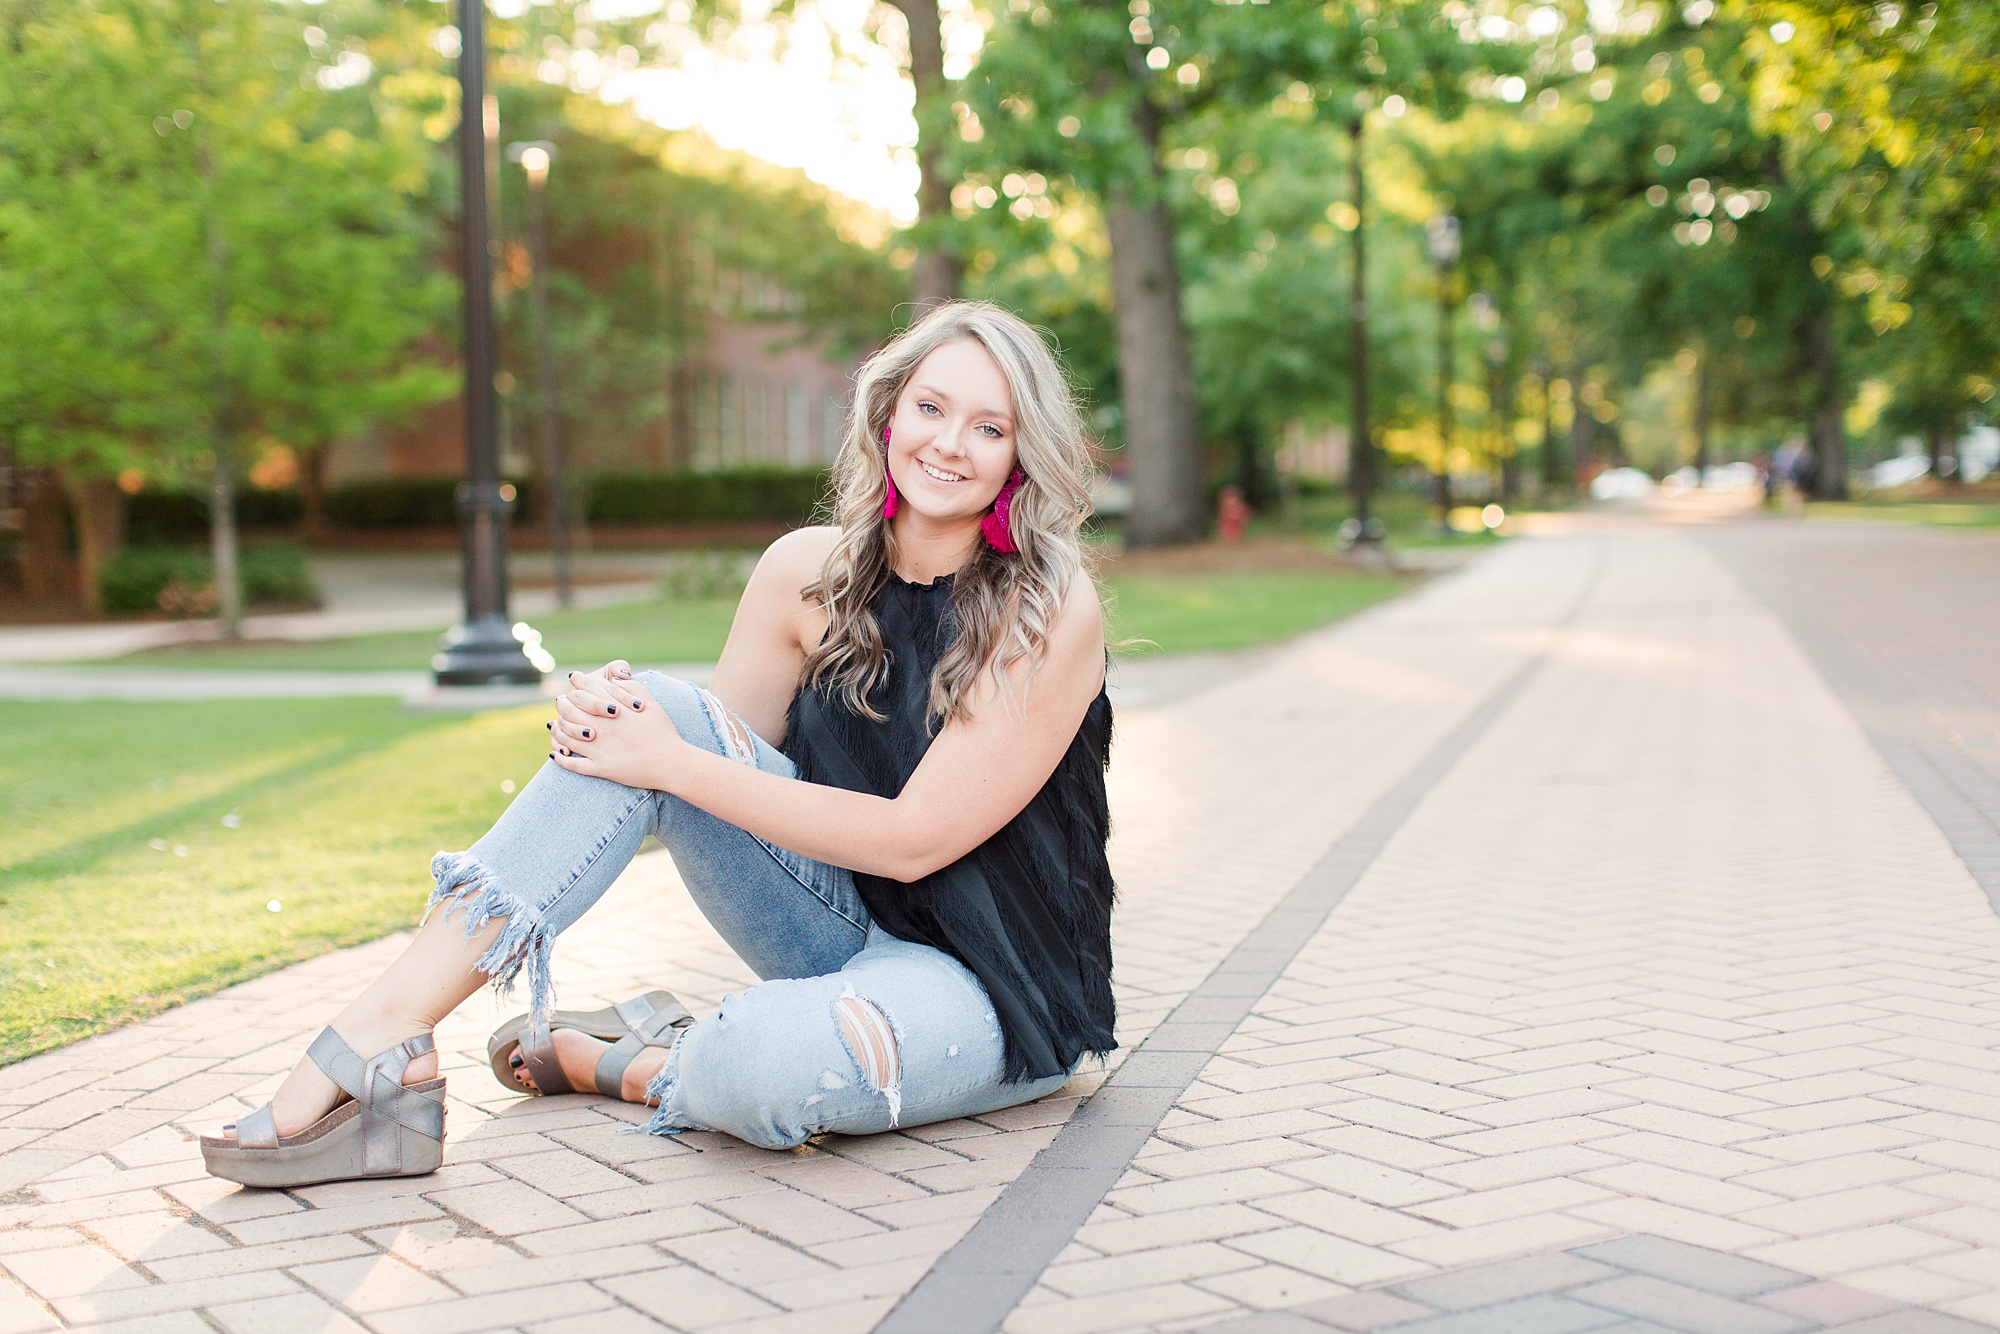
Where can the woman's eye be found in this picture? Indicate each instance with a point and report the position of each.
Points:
(930, 409)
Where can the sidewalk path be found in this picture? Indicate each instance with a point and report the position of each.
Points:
(365, 593)
(1141, 681)
(1652, 997)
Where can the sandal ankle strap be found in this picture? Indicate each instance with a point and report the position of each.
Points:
(377, 1084)
(651, 1027)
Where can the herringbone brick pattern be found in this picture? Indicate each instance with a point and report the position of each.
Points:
(1671, 952)
(1670, 955)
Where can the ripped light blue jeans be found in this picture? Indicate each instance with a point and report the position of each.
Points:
(775, 1064)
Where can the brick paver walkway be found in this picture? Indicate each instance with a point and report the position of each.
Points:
(1668, 1006)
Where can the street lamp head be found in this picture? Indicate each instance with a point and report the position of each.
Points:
(1443, 229)
(534, 157)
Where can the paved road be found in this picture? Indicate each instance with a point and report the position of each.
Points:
(1596, 940)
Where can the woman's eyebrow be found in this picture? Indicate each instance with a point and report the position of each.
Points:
(930, 391)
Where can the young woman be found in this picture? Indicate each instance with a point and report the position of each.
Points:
(890, 803)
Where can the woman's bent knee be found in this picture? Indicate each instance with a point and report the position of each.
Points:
(784, 1061)
(699, 716)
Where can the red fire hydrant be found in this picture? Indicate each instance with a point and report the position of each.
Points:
(1232, 513)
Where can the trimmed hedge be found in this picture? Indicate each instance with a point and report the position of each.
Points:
(162, 518)
(182, 580)
(782, 495)
(778, 495)
(395, 502)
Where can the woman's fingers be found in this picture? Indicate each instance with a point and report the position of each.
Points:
(571, 734)
(597, 696)
(573, 724)
(616, 670)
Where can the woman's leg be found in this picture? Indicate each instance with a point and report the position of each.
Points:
(903, 1034)
(550, 856)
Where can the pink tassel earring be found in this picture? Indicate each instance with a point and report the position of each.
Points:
(889, 505)
(999, 533)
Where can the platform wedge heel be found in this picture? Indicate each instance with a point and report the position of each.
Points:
(384, 1129)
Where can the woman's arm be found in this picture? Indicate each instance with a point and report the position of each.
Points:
(977, 775)
(775, 627)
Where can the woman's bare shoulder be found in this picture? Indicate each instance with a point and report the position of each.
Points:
(1076, 639)
(1082, 614)
(795, 560)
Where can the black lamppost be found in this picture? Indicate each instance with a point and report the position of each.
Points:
(1443, 229)
(1364, 527)
(534, 157)
(485, 649)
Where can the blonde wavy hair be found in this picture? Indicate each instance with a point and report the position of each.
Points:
(1005, 605)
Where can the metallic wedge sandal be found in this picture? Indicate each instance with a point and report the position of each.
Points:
(384, 1129)
(630, 1026)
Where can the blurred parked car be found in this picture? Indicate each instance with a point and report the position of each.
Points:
(1899, 471)
(1621, 484)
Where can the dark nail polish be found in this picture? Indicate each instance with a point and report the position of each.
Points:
(586, 734)
(611, 708)
(636, 706)
(550, 726)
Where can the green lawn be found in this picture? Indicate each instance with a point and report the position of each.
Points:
(1221, 611)
(125, 889)
(1201, 612)
(1943, 513)
(662, 630)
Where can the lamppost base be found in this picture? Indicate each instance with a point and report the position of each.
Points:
(490, 652)
(1354, 533)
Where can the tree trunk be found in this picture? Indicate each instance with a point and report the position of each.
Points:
(1937, 443)
(1255, 473)
(1441, 479)
(222, 542)
(1701, 417)
(222, 409)
(1551, 460)
(1582, 431)
(44, 559)
(1156, 375)
(1823, 425)
(934, 277)
(312, 493)
(97, 507)
(1155, 365)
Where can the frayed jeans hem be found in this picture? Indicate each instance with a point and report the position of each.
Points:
(524, 943)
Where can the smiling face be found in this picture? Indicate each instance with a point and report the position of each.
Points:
(951, 438)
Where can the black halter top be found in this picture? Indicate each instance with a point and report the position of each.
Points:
(1029, 910)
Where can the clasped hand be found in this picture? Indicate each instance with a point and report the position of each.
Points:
(607, 726)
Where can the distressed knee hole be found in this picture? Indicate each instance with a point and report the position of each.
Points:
(872, 1042)
(735, 736)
